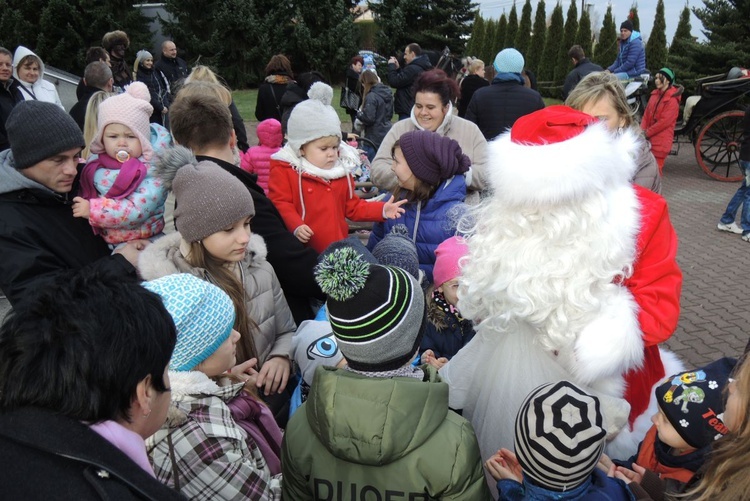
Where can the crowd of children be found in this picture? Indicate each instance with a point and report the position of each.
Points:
(364, 411)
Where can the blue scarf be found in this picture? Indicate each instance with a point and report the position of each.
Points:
(509, 77)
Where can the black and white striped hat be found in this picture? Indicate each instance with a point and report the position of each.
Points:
(559, 436)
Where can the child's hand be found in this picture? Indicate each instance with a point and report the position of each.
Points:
(393, 210)
(504, 465)
(303, 233)
(628, 476)
(428, 357)
(274, 375)
(605, 464)
(246, 370)
(81, 207)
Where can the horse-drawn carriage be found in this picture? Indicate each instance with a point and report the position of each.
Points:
(715, 125)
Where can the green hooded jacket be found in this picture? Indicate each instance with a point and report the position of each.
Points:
(380, 439)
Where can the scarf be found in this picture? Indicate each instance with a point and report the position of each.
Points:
(278, 79)
(509, 77)
(132, 173)
(448, 309)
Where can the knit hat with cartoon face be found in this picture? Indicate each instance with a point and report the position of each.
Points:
(377, 312)
(693, 402)
(315, 345)
(133, 109)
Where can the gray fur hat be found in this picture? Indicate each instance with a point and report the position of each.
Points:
(313, 118)
(208, 198)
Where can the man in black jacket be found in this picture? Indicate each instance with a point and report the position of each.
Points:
(9, 94)
(203, 124)
(583, 66)
(173, 67)
(39, 237)
(496, 108)
(97, 76)
(402, 79)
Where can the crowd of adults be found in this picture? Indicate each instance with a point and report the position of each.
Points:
(554, 274)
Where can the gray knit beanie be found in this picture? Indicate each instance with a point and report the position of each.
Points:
(38, 130)
(208, 198)
(313, 118)
(377, 313)
(397, 249)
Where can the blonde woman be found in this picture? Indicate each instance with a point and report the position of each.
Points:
(601, 95)
(158, 86)
(91, 122)
(474, 80)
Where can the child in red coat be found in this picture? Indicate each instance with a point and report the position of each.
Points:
(311, 183)
(257, 159)
(661, 115)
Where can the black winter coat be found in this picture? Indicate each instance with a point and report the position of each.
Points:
(291, 260)
(78, 111)
(159, 90)
(39, 238)
(402, 79)
(50, 456)
(9, 96)
(496, 108)
(469, 86)
(583, 68)
(376, 113)
(270, 93)
(174, 69)
(239, 127)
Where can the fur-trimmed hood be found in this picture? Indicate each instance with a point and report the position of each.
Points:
(348, 161)
(595, 161)
(191, 386)
(165, 257)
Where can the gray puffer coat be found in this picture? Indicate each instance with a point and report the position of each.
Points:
(264, 299)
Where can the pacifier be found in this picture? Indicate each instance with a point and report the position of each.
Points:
(122, 156)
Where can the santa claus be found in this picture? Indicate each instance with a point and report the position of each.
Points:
(571, 275)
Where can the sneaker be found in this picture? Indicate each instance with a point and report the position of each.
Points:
(731, 228)
(746, 237)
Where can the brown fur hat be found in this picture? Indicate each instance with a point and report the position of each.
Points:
(115, 38)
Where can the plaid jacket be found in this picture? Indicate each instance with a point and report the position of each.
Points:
(213, 458)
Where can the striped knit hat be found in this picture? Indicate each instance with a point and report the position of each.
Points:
(202, 312)
(376, 312)
(559, 436)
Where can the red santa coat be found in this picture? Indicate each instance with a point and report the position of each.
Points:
(659, 119)
(655, 284)
(303, 197)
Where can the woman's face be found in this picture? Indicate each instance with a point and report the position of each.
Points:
(223, 359)
(357, 67)
(605, 112)
(403, 173)
(230, 244)
(429, 110)
(159, 408)
(29, 72)
(661, 82)
(480, 72)
(148, 63)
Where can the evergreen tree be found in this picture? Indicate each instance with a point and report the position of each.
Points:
(538, 38)
(606, 49)
(324, 36)
(512, 29)
(725, 24)
(633, 16)
(488, 44)
(477, 34)
(563, 64)
(583, 36)
(680, 58)
(656, 48)
(499, 42)
(433, 25)
(523, 38)
(552, 46)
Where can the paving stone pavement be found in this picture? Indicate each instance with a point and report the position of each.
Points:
(715, 310)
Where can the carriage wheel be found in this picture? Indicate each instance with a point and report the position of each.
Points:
(717, 148)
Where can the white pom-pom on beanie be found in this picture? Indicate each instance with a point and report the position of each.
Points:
(313, 118)
(131, 108)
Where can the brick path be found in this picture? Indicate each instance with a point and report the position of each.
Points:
(715, 299)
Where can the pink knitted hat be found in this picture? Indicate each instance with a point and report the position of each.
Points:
(447, 257)
(131, 108)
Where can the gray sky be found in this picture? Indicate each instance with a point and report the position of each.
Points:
(620, 8)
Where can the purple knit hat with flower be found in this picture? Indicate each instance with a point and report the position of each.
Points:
(432, 157)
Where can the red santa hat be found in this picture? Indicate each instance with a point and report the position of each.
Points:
(557, 155)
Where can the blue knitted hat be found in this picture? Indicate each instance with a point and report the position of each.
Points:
(203, 313)
(509, 61)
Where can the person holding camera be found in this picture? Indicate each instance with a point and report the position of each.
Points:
(402, 79)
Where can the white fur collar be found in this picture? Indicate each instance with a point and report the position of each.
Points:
(348, 161)
(165, 256)
(191, 383)
(444, 127)
(559, 173)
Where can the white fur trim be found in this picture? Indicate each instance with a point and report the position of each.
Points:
(191, 383)
(348, 161)
(562, 172)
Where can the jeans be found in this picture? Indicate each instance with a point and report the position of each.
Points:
(623, 76)
(741, 197)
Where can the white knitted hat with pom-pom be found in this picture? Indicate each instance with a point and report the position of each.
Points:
(133, 109)
(313, 118)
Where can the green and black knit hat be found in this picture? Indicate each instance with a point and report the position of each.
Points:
(377, 312)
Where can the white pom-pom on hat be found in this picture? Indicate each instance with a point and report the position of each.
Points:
(139, 90)
(321, 92)
(313, 118)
